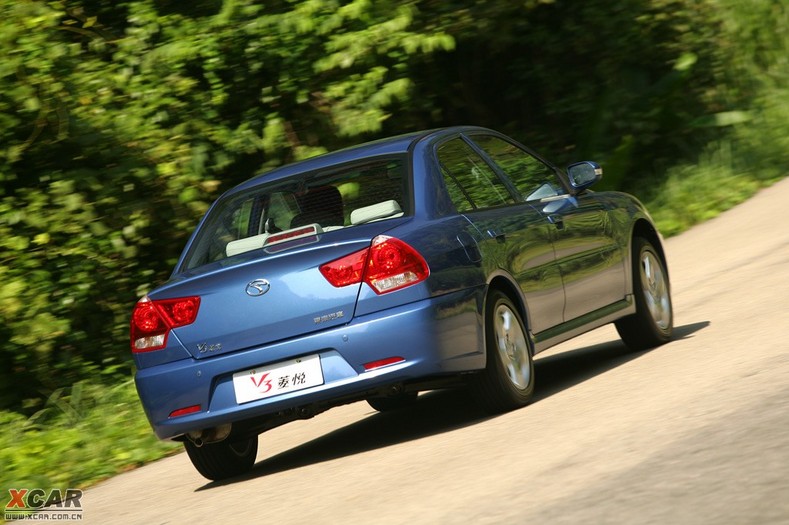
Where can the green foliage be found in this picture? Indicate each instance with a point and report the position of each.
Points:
(80, 436)
(584, 80)
(753, 124)
(695, 193)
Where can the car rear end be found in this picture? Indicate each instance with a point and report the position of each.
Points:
(297, 294)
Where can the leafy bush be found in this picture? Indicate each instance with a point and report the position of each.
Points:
(83, 434)
(695, 193)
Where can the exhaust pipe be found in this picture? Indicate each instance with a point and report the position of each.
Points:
(209, 435)
(396, 390)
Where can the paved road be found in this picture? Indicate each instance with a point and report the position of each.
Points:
(696, 431)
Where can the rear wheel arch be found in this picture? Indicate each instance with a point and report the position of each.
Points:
(507, 381)
(510, 289)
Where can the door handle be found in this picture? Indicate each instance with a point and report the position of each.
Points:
(557, 220)
(501, 238)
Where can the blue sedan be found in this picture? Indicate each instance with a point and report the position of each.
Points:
(441, 258)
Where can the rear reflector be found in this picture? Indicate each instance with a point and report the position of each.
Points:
(372, 365)
(151, 321)
(389, 264)
(184, 411)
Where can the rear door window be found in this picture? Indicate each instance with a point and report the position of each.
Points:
(470, 181)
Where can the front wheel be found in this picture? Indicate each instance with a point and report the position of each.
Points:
(653, 322)
(508, 379)
(225, 459)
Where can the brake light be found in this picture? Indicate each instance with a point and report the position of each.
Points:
(393, 264)
(345, 270)
(389, 264)
(151, 321)
(290, 235)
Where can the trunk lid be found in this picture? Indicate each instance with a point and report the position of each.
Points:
(270, 297)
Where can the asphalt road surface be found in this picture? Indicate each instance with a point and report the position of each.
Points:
(696, 431)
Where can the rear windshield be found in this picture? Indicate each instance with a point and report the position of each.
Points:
(307, 204)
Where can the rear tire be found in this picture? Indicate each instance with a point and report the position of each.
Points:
(653, 322)
(225, 459)
(391, 403)
(508, 379)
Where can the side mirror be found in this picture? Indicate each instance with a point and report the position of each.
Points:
(584, 174)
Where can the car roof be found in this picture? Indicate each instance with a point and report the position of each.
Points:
(399, 144)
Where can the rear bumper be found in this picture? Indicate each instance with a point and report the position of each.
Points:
(436, 336)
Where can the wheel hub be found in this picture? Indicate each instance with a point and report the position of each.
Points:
(512, 346)
(656, 293)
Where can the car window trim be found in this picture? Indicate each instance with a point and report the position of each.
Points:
(507, 184)
(516, 196)
(465, 193)
(558, 174)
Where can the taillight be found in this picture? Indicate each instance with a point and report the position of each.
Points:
(346, 270)
(151, 321)
(389, 264)
(393, 264)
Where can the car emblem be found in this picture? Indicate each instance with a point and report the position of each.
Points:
(258, 287)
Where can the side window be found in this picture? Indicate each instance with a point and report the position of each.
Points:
(532, 178)
(240, 220)
(470, 181)
(457, 195)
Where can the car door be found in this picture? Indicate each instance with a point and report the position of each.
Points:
(587, 254)
(590, 260)
(512, 235)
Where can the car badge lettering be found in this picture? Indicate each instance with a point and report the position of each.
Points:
(329, 317)
(205, 347)
(258, 287)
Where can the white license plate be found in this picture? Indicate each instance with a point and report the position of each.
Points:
(288, 376)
